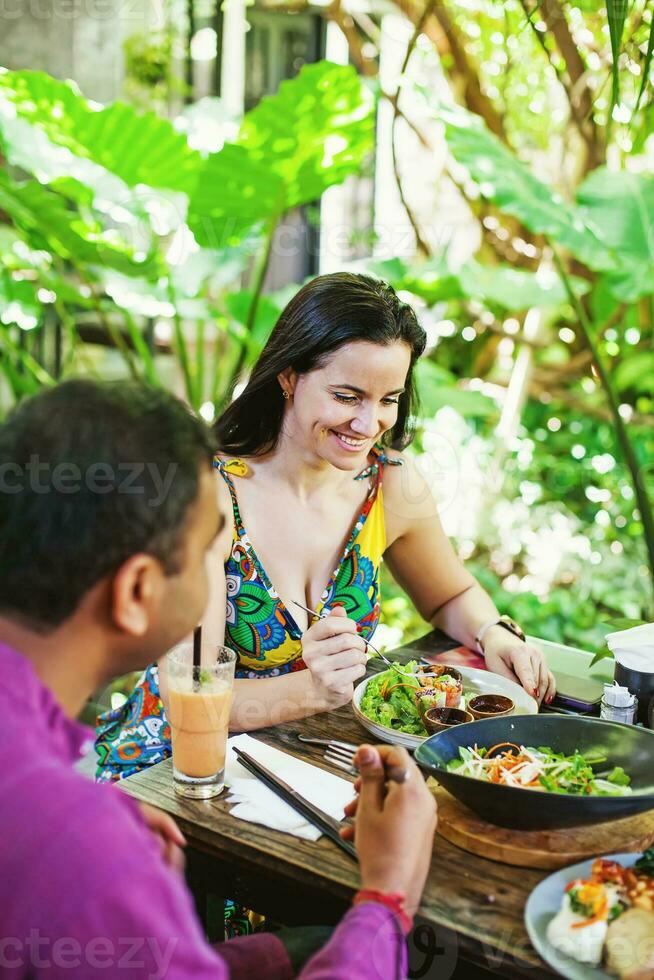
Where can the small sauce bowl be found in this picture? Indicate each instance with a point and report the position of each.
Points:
(490, 705)
(438, 719)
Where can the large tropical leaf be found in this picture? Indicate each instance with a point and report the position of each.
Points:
(621, 206)
(138, 147)
(498, 285)
(234, 194)
(292, 146)
(314, 132)
(514, 289)
(503, 179)
(48, 223)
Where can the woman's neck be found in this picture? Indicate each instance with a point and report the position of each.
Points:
(302, 469)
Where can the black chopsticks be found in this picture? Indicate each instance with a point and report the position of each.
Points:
(320, 819)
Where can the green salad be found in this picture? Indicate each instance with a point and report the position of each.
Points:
(541, 769)
(400, 711)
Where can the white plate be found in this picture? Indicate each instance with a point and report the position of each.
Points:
(474, 682)
(543, 904)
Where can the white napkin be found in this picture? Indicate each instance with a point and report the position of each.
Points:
(634, 648)
(258, 804)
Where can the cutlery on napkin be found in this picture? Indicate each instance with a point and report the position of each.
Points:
(256, 803)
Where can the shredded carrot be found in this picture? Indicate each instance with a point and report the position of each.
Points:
(598, 917)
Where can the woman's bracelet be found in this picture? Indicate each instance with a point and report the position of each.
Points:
(393, 901)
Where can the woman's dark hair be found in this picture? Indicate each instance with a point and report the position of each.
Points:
(326, 313)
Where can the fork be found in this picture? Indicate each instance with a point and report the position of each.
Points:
(341, 756)
(324, 615)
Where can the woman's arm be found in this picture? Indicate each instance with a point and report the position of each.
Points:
(424, 563)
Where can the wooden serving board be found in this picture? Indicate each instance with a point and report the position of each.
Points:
(547, 849)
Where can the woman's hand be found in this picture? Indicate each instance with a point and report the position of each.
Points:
(511, 657)
(335, 654)
(170, 838)
(395, 824)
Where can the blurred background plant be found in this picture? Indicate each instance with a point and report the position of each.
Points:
(491, 160)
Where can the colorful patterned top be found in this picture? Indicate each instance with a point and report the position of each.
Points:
(258, 626)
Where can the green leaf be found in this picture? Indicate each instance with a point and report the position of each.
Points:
(315, 132)
(514, 289)
(238, 307)
(621, 207)
(436, 391)
(501, 285)
(616, 11)
(619, 777)
(50, 224)
(34, 372)
(234, 194)
(647, 64)
(432, 281)
(138, 147)
(291, 147)
(503, 179)
(635, 372)
(645, 864)
(19, 301)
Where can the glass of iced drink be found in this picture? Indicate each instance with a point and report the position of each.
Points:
(199, 701)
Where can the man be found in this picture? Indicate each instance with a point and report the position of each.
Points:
(107, 513)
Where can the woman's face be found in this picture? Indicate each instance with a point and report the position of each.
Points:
(342, 409)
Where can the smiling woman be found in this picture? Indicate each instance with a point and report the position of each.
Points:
(311, 468)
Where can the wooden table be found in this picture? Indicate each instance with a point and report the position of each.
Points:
(472, 908)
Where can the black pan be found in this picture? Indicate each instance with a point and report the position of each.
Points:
(624, 745)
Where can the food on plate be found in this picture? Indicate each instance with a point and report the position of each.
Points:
(440, 679)
(610, 917)
(390, 699)
(541, 769)
(579, 928)
(398, 697)
(630, 945)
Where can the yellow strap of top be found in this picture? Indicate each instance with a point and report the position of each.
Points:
(235, 467)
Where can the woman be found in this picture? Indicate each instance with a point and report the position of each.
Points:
(318, 497)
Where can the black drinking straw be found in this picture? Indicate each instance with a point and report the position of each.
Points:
(197, 645)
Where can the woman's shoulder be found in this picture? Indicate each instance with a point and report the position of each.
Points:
(407, 494)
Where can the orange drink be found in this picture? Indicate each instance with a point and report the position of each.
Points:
(199, 701)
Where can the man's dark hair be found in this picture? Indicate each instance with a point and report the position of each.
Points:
(90, 474)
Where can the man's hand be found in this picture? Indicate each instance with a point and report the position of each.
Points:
(511, 657)
(395, 824)
(171, 839)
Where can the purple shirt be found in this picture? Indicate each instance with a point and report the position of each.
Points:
(84, 890)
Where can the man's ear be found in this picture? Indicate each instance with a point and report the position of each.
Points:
(288, 380)
(136, 594)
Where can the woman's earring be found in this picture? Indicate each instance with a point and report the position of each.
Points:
(285, 394)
